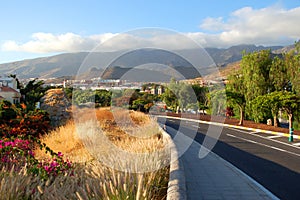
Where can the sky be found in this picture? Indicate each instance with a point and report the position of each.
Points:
(30, 29)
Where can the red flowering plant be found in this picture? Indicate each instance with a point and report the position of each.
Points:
(14, 152)
(18, 153)
(19, 135)
(34, 123)
(54, 166)
(50, 167)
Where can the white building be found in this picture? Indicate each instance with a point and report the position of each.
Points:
(8, 90)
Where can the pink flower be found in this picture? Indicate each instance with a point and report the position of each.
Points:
(46, 168)
(54, 164)
(59, 154)
(31, 153)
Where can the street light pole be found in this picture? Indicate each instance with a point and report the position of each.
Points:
(291, 135)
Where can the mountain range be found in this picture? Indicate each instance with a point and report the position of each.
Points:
(152, 63)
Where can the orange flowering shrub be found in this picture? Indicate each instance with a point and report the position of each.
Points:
(34, 123)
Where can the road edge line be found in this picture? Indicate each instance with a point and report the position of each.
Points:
(233, 126)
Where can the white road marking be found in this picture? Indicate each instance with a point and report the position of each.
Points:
(266, 138)
(239, 130)
(274, 136)
(265, 145)
(250, 133)
(297, 144)
(242, 130)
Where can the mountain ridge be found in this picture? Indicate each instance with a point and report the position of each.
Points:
(71, 64)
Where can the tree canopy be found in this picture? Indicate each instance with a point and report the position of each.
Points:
(266, 84)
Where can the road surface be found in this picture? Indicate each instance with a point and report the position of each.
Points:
(270, 160)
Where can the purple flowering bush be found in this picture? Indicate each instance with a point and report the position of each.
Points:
(14, 151)
(54, 166)
(17, 153)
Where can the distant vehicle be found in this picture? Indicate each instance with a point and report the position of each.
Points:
(191, 111)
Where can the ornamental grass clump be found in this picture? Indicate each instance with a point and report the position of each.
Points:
(97, 158)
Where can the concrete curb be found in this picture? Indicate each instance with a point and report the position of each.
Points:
(234, 126)
(176, 186)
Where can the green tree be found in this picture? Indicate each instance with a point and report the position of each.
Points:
(69, 92)
(102, 97)
(201, 94)
(83, 96)
(263, 105)
(170, 99)
(273, 100)
(292, 61)
(185, 96)
(279, 78)
(235, 93)
(33, 92)
(255, 68)
(217, 102)
(183, 92)
(7, 111)
(290, 104)
(139, 105)
(237, 99)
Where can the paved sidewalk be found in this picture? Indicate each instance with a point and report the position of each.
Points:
(212, 177)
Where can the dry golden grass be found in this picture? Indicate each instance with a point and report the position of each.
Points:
(140, 135)
(120, 125)
(119, 160)
(88, 182)
(64, 139)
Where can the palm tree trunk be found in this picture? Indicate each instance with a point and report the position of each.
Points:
(290, 121)
(275, 121)
(241, 117)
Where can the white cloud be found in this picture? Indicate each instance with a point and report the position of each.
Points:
(213, 24)
(267, 26)
(48, 42)
(70, 42)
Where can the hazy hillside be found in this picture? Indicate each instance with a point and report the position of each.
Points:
(222, 57)
(66, 64)
(69, 64)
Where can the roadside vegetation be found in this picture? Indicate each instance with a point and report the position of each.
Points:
(111, 151)
(266, 86)
(43, 162)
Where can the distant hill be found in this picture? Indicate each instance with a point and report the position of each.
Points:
(70, 64)
(224, 71)
(66, 64)
(222, 57)
(284, 49)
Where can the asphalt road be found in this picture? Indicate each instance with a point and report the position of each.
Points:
(271, 161)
